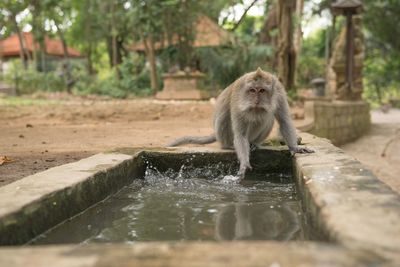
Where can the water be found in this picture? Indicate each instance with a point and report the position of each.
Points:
(179, 206)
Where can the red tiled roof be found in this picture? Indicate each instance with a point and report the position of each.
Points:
(208, 33)
(10, 47)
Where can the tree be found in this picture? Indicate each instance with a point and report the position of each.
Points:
(39, 33)
(85, 31)
(286, 54)
(10, 9)
(59, 14)
(146, 19)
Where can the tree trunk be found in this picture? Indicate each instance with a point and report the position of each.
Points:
(298, 34)
(90, 69)
(109, 50)
(114, 50)
(268, 34)
(22, 52)
(38, 35)
(66, 66)
(150, 54)
(270, 24)
(286, 54)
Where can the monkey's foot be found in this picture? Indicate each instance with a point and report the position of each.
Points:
(301, 150)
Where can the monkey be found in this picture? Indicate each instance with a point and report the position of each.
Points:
(244, 115)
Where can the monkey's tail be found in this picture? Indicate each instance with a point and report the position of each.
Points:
(193, 140)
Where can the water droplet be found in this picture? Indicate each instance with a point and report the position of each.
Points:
(212, 210)
(271, 207)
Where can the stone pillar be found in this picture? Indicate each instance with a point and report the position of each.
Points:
(336, 76)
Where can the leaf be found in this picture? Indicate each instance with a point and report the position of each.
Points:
(5, 159)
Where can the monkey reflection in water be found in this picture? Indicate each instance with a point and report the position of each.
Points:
(244, 221)
(244, 116)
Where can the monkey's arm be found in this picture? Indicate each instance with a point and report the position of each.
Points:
(287, 129)
(242, 148)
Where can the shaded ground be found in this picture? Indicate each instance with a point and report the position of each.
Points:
(369, 148)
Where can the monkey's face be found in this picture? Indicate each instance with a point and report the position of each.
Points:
(257, 94)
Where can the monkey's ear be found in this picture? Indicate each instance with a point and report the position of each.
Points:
(276, 83)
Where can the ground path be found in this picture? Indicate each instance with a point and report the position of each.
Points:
(369, 148)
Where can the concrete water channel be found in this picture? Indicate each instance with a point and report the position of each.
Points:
(140, 207)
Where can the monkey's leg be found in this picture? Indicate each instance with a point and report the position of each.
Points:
(223, 130)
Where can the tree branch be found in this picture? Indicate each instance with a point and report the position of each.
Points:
(243, 15)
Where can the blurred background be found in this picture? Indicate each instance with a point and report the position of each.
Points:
(122, 48)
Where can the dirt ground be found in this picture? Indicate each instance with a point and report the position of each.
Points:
(38, 135)
(44, 134)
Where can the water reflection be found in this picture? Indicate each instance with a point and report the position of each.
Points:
(170, 207)
(246, 221)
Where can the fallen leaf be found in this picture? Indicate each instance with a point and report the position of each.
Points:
(5, 159)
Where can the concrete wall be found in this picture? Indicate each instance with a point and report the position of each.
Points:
(339, 121)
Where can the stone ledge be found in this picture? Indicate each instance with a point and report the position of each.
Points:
(38, 202)
(353, 207)
(187, 254)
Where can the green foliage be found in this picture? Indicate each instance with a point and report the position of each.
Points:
(249, 27)
(311, 61)
(382, 63)
(380, 84)
(225, 64)
(29, 81)
(131, 78)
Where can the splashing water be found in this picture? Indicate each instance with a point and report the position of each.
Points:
(180, 206)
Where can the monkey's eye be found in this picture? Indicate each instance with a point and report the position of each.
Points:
(262, 90)
(252, 90)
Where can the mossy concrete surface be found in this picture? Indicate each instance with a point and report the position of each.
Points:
(347, 206)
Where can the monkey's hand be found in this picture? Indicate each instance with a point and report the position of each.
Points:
(300, 150)
(242, 170)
